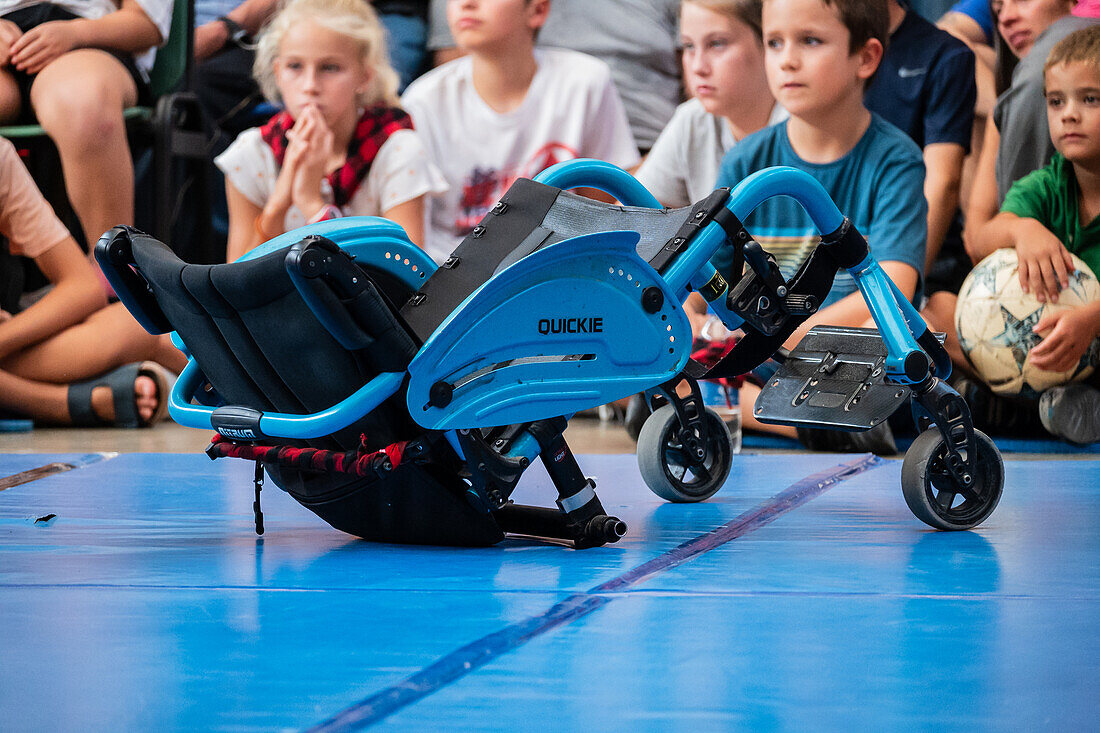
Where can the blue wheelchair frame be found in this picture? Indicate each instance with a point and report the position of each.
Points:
(385, 245)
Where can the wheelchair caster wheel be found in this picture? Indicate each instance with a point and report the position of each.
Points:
(934, 495)
(667, 467)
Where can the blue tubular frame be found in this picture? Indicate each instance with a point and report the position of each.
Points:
(282, 425)
(897, 320)
(361, 236)
(589, 173)
(368, 237)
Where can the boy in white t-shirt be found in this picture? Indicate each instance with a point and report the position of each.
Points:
(507, 110)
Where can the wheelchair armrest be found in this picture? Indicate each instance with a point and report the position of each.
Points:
(115, 255)
(343, 297)
(325, 275)
(244, 423)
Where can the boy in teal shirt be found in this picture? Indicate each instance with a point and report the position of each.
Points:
(1054, 211)
(819, 56)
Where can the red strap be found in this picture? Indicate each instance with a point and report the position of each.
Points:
(395, 452)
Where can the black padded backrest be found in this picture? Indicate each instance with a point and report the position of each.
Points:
(164, 272)
(528, 217)
(259, 344)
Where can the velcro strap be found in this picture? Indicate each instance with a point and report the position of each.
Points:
(702, 213)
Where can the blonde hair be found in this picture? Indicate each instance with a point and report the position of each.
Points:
(355, 19)
(746, 11)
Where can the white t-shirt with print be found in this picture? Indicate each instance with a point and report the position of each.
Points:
(400, 172)
(159, 11)
(682, 167)
(571, 111)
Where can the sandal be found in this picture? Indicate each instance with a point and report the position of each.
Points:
(121, 382)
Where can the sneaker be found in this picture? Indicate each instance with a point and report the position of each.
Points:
(997, 414)
(1071, 412)
(878, 440)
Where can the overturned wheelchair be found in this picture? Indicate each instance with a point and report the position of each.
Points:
(402, 402)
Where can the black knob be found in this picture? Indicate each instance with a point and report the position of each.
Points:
(652, 299)
(440, 394)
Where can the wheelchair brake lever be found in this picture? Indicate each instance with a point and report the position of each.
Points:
(762, 297)
(763, 264)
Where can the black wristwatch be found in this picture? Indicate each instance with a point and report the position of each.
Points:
(238, 36)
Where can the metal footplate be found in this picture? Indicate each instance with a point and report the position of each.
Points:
(835, 378)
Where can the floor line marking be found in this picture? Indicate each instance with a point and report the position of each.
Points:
(465, 660)
(50, 469)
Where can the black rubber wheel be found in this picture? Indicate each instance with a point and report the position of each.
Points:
(933, 494)
(668, 469)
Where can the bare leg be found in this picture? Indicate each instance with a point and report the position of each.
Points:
(109, 338)
(939, 313)
(78, 100)
(749, 393)
(49, 402)
(10, 103)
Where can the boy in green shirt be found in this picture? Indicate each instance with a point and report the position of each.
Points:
(1052, 212)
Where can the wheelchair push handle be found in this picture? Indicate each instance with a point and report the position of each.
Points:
(115, 254)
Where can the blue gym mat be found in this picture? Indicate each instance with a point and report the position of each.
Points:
(757, 441)
(803, 596)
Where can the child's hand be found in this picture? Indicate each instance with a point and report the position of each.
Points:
(39, 46)
(297, 142)
(9, 34)
(1071, 332)
(1045, 263)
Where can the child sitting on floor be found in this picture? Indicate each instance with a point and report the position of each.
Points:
(819, 56)
(341, 146)
(1052, 212)
(70, 333)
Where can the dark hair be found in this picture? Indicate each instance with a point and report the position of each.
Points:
(864, 19)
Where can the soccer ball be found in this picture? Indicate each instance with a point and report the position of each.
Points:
(994, 318)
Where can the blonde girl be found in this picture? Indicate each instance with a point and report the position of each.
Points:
(341, 146)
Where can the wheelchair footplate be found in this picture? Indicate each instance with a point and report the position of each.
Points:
(834, 378)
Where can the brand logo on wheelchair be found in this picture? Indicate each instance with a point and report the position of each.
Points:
(239, 433)
(570, 325)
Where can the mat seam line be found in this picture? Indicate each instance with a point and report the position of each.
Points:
(464, 660)
(43, 471)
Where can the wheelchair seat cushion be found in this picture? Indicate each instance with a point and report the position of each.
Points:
(258, 343)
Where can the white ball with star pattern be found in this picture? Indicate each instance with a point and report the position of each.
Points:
(994, 319)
